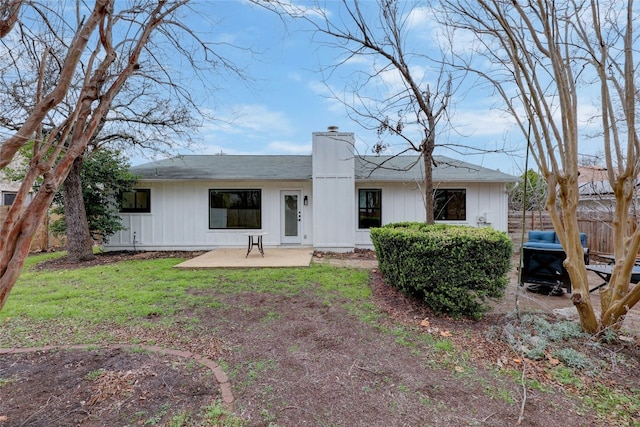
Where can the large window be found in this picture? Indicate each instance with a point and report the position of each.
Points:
(450, 205)
(369, 208)
(138, 200)
(235, 209)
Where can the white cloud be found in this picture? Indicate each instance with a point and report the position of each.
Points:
(479, 123)
(252, 129)
(421, 17)
(251, 119)
(329, 94)
(295, 76)
(221, 144)
(293, 9)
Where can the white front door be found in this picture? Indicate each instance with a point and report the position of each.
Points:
(291, 217)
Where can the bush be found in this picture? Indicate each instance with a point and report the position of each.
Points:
(452, 268)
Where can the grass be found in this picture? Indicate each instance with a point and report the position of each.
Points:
(216, 415)
(94, 375)
(137, 290)
(131, 292)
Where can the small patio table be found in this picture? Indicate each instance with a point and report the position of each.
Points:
(612, 260)
(255, 239)
(606, 271)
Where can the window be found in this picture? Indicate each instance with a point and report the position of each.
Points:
(138, 200)
(8, 198)
(235, 209)
(369, 208)
(450, 205)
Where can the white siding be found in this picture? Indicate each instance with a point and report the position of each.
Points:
(404, 202)
(179, 218)
(487, 205)
(333, 197)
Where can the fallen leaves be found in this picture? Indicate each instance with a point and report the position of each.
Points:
(426, 323)
(552, 360)
(111, 384)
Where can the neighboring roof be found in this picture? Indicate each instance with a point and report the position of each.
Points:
(592, 173)
(594, 181)
(594, 188)
(286, 167)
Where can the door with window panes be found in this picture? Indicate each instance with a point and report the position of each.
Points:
(291, 217)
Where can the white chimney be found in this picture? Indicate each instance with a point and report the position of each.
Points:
(334, 190)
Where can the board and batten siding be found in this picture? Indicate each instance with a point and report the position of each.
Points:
(334, 201)
(486, 205)
(179, 218)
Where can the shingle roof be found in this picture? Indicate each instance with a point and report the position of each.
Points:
(410, 168)
(227, 167)
(287, 167)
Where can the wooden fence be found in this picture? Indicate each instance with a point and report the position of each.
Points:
(598, 227)
(43, 240)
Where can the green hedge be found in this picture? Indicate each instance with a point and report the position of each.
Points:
(453, 268)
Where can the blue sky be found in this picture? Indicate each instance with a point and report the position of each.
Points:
(285, 98)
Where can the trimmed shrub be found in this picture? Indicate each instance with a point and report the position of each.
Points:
(452, 268)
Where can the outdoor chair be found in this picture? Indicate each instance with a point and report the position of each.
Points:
(542, 263)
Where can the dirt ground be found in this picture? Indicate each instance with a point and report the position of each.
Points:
(106, 387)
(301, 360)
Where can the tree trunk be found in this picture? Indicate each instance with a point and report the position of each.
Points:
(565, 224)
(428, 187)
(79, 241)
(19, 227)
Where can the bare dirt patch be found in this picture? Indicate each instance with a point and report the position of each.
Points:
(103, 258)
(106, 387)
(307, 360)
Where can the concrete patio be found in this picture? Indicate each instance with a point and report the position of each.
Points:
(237, 258)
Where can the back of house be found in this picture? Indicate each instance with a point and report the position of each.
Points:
(328, 200)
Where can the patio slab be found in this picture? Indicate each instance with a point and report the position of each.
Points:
(559, 305)
(235, 258)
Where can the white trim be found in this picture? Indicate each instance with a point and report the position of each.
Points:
(286, 215)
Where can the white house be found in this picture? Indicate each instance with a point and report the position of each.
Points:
(9, 189)
(596, 193)
(327, 201)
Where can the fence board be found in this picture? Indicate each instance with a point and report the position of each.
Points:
(597, 226)
(43, 240)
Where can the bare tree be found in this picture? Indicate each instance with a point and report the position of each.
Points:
(530, 194)
(540, 56)
(414, 109)
(132, 123)
(108, 48)
(142, 115)
(8, 15)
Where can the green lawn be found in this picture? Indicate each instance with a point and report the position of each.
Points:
(149, 299)
(131, 291)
